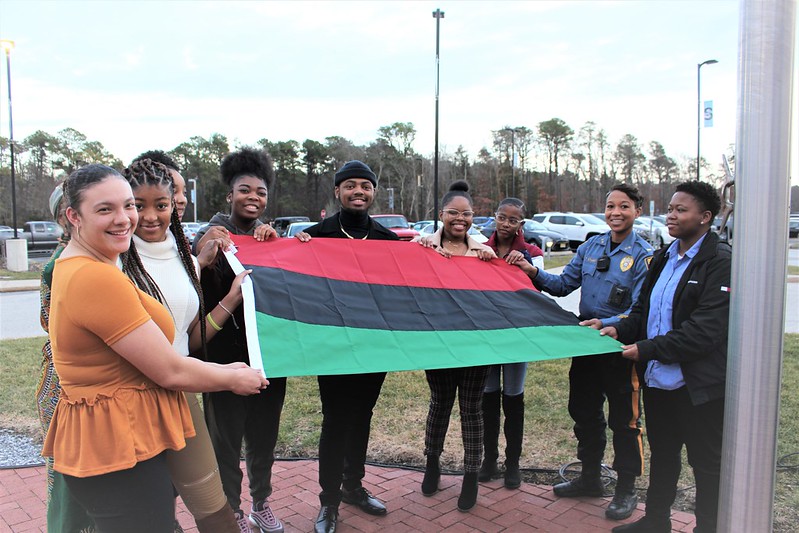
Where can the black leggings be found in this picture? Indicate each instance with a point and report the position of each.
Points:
(129, 501)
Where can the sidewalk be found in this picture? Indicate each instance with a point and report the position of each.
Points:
(19, 285)
(295, 501)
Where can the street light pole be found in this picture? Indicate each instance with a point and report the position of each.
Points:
(438, 15)
(7, 46)
(512, 159)
(699, 109)
(193, 182)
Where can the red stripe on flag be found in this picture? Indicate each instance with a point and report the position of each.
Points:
(381, 262)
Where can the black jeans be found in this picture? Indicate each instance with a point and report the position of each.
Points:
(671, 422)
(592, 379)
(129, 501)
(347, 404)
(255, 420)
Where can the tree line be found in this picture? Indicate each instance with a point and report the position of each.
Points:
(551, 167)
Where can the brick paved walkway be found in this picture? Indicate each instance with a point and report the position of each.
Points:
(295, 501)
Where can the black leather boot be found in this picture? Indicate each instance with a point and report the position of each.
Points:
(624, 500)
(432, 474)
(468, 496)
(646, 524)
(588, 484)
(490, 436)
(513, 406)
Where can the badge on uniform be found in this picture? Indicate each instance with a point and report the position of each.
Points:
(626, 263)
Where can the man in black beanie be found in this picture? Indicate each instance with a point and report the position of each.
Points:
(347, 400)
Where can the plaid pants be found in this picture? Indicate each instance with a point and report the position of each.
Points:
(468, 383)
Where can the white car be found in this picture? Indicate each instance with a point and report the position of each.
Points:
(474, 233)
(295, 227)
(662, 237)
(577, 227)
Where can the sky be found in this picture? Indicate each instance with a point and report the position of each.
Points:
(151, 74)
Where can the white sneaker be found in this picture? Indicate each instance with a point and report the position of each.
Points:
(264, 519)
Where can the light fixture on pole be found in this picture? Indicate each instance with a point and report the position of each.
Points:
(7, 46)
(193, 182)
(512, 159)
(438, 15)
(699, 108)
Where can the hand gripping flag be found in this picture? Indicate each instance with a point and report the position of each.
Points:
(340, 306)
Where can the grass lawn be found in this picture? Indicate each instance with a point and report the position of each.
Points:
(30, 274)
(398, 427)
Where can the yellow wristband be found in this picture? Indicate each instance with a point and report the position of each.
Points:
(213, 324)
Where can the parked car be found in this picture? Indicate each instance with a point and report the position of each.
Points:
(481, 221)
(577, 227)
(661, 234)
(474, 233)
(419, 225)
(190, 229)
(793, 226)
(716, 226)
(535, 233)
(281, 224)
(40, 234)
(296, 227)
(398, 224)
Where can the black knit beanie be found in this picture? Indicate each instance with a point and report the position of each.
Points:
(354, 169)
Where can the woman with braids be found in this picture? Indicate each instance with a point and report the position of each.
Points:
(168, 272)
(508, 243)
(119, 408)
(63, 512)
(450, 240)
(232, 419)
(179, 184)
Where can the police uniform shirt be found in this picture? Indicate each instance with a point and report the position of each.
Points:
(607, 294)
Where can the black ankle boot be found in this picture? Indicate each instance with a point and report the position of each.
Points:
(432, 474)
(468, 496)
(490, 436)
(588, 484)
(624, 500)
(514, 433)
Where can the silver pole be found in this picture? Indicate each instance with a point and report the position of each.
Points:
(767, 33)
(438, 15)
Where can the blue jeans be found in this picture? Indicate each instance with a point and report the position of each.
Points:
(512, 377)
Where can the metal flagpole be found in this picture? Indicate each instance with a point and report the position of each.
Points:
(438, 15)
(767, 33)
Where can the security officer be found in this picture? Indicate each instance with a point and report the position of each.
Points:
(610, 268)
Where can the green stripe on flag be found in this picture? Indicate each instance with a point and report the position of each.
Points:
(291, 348)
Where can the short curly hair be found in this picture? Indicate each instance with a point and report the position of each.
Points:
(704, 193)
(247, 162)
(158, 156)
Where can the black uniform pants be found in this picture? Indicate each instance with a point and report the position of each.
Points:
(255, 420)
(347, 405)
(592, 379)
(671, 422)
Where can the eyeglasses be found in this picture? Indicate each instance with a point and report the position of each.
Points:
(456, 213)
(502, 219)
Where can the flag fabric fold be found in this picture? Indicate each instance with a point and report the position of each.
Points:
(336, 306)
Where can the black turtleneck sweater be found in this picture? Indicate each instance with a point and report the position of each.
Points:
(344, 225)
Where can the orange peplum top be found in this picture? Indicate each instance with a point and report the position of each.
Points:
(109, 416)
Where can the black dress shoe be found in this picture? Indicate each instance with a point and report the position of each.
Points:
(580, 487)
(623, 505)
(327, 520)
(646, 524)
(363, 499)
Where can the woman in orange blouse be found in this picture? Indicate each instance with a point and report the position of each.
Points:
(120, 408)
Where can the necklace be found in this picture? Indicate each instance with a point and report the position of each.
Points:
(350, 236)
